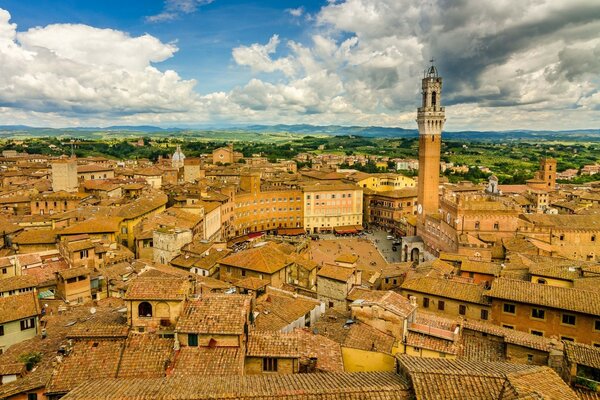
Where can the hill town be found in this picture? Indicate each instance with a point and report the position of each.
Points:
(235, 275)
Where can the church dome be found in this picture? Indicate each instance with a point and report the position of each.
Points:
(178, 155)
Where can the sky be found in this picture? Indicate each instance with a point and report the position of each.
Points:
(506, 64)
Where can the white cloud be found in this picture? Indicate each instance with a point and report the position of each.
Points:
(258, 57)
(506, 64)
(295, 12)
(77, 70)
(173, 9)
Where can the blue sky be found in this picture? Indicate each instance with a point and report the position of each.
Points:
(204, 37)
(506, 65)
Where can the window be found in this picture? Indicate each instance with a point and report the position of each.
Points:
(597, 325)
(32, 396)
(530, 358)
(1, 330)
(269, 364)
(27, 324)
(477, 225)
(243, 272)
(566, 338)
(509, 308)
(561, 237)
(4, 271)
(83, 254)
(426, 303)
(536, 333)
(508, 326)
(568, 319)
(145, 309)
(496, 226)
(462, 309)
(441, 305)
(192, 340)
(538, 313)
(484, 315)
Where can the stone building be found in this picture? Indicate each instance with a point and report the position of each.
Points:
(155, 303)
(168, 241)
(568, 314)
(258, 210)
(64, 175)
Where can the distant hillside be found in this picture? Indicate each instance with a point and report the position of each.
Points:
(8, 131)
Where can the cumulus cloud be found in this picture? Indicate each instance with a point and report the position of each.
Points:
(77, 69)
(532, 59)
(175, 8)
(505, 64)
(258, 57)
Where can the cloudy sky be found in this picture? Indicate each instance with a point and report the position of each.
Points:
(506, 64)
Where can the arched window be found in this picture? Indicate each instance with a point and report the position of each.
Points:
(433, 99)
(145, 309)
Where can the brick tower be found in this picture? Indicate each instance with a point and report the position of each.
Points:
(430, 119)
(548, 172)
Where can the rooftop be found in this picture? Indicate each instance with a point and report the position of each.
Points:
(225, 314)
(577, 300)
(343, 386)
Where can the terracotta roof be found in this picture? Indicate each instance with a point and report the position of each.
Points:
(266, 259)
(252, 283)
(18, 306)
(582, 354)
(158, 288)
(388, 300)
(35, 236)
(194, 362)
(273, 344)
(74, 272)
(80, 245)
(421, 340)
(335, 272)
(577, 300)
(433, 378)
(93, 225)
(511, 336)
(17, 282)
(339, 386)
(481, 267)
(30, 382)
(564, 222)
(447, 288)
(555, 271)
(327, 352)
(277, 309)
(93, 168)
(105, 326)
(89, 360)
(537, 383)
(212, 313)
(346, 258)
(358, 335)
(145, 356)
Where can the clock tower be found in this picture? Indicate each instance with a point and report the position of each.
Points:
(430, 119)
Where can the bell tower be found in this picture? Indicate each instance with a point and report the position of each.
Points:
(430, 119)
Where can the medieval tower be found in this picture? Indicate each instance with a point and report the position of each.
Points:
(430, 119)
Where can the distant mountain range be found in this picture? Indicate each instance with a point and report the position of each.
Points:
(304, 129)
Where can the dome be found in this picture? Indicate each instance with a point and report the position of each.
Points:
(178, 155)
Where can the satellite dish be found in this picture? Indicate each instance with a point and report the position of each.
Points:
(93, 310)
